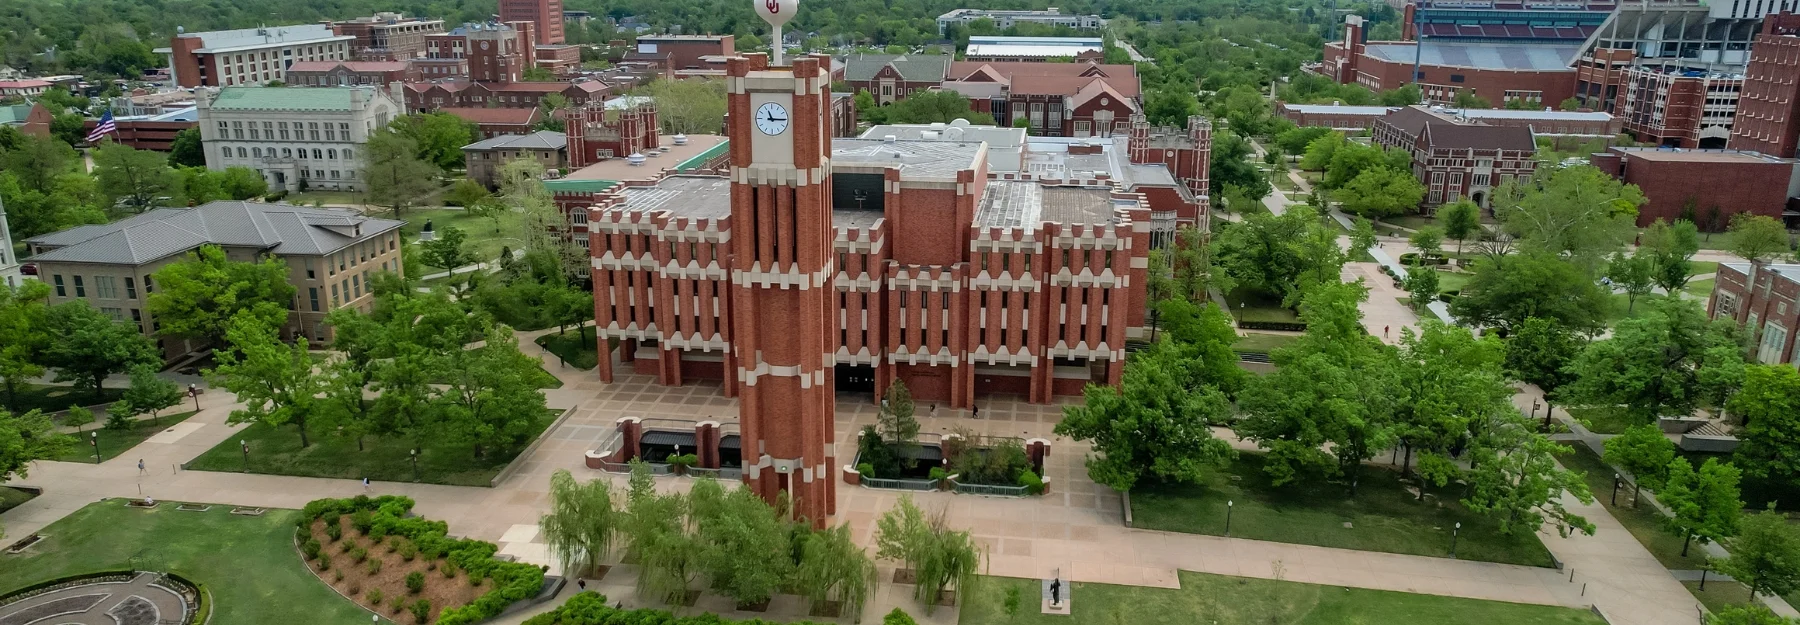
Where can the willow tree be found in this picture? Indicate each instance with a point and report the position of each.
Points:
(581, 524)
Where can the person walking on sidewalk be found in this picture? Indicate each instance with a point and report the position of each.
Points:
(141, 466)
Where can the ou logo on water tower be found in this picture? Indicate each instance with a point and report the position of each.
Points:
(774, 6)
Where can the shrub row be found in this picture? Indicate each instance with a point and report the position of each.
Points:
(590, 608)
(1285, 326)
(387, 516)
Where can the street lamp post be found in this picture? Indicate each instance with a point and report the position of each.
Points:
(1228, 507)
(414, 452)
(1615, 495)
(194, 392)
(94, 438)
(1453, 532)
(245, 445)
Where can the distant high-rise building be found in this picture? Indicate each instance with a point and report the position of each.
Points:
(250, 56)
(546, 14)
(1768, 115)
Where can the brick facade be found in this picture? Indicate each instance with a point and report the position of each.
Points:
(387, 36)
(1731, 182)
(1348, 62)
(422, 97)
(1455, 158)
(1769, 313)
(350, 73)
(1768, 116)
(545, 15)
(667, 54)
(1678, 110)
(597, 132)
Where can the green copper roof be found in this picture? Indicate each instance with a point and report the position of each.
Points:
(579, 185)
(701, 158)
(286, 98)
(14, 114)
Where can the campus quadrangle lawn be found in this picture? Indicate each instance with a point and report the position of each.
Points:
(248, 563)
(575, 347)
(1206, 599)
(277, 451)
(1382, 517)
(114, 443)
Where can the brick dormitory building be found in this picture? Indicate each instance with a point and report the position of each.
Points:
(953, 278)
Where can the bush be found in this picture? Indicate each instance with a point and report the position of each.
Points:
(449, 570)
(1032, 483)
(421, 611)
(408, 551)
(415, 582)
(363, 521)
(359, 554)
(866, 469)
(355, 589)
(377, 532)
(938, 474)
(393, 545)
(374, 597)
(374, 567)
(898, 617)
(398, 604)
(338, 575)
(334, 531)
(311, 548)
(324, 562)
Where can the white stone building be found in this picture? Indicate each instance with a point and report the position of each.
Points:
(298, 138)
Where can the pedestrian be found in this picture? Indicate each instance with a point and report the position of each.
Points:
(976, 409)
(1056, 591)
(140, 466)
(582, 584)
(365, 484)
(934, 407)
(1384, 331)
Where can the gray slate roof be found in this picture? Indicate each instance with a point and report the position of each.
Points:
(912, 67)
(540, 140)
(278, 228)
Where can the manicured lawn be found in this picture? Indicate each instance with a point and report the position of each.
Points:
(1206, 599)
(1265, 343)
(1700, 288)
(1453, 281)
(572, 348)
(114, 443)
(333, 198)
(1719, 595)
(1382, 517)
(11, 498)
(52, 398)
(1411, 221)
(483, 242)
(248, 563)
(1603, 419)
(1248, 305)
(1644, 522)
(277, 451)
(1697, 267)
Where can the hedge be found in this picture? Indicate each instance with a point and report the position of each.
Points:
(513, 581)
(590, 608)
(1285, 326)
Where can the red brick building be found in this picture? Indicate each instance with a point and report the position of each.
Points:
(667, 54)
(251, 56)
(1768, 116)
(428, 96)
(1187, 155)
(615, 128)
(1541, 122)
(1769, 312)
(495, 122)
(1059, 99)
(562, 60)
(1500, 72)
(1457, 158)
(32, 119)
(890, 77)
(1678, 109)
(348, 73)
(545, 15)
(149, 132)
(387, 36)
(1725, 181)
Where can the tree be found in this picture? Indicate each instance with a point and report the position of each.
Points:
(688, 106)
(1765, 555)
(38, 162)
(1170, 107)
(1466, 99)
(1748, 614)
(1670, 247)
(439, 137)
(1645, 453)
(136, 177)
(25, 439)
(1461, 220)
(1451, 385)
(90, 346)
(1756, 238)
(746, 554)
(395, 174)
(1429, 241)
(242, 183)
(1580, 211)
(24, 335)
(1769, 407)
(1665, 362)
(1321, 149)
(537, 74)
(1157, 425)
(895, 421)
(924, 107)
(1516, 480)
(1279, 254)
(1569, 104)
(1505, 291)
(1296, 140)
(864, 102)
(273, 380)
(489, 398)
(581, 523)
(1635, 274)
(467, 193)
(1381, 192)
(1229, 165)
(1538, 351)
(833, 567)
(1350, 160)
(447, 250)
(150, 394)
(201, 295)
(936, 555)
(186, 150)
(1705, 503)
(78, 417)
(1422, 284)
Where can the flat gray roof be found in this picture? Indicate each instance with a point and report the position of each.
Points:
(916, 160)
(1025, 204)
(1499, 56)
(697, 197)
(280, 228)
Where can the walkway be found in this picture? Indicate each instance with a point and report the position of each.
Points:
(138, 601)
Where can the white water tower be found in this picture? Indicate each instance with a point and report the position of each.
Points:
(776, 13)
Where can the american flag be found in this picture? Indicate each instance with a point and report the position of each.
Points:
(107, 125)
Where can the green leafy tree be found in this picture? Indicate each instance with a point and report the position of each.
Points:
(688, 106)
(90, 346)
(448, 250)
(201, 295)
(132, 176)
(395, 175)
(1769, 407)
(38, 162)
(28, 438)
(467, 193)
(1295, 141)
(274, 380)
(1321, 149)
(1665, 362)
(24, 335)
(537, 74)
(1756, 238)
(439, 137)
(1381, 192)
(489, 397)
(937, 556)
(78, 417)
(895, 421)
(1705, 502)
(1634, 274)
(1765, 555)
(149, 393)
(1538, 352)
(1350, 160)
(924, 107)
(834, 568)
(1230, 164)
(1429, 241)
(1279, 255)
(186, 150)
(1467, 99)
(581, 523)
(1670, 248)
(1643, 451)
(1516, 480)
(1156, 426)
(1451, 384)
(242, 183)
(1422, 284)
(1569, 104)
(1504, 292)
(1170, 107)
(1406, 95)
(1461, 220)
(1579, 211)
(746, 553)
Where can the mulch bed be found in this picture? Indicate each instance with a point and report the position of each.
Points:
(442, 592)
(906, 576)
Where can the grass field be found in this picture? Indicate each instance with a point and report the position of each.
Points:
(1265, 343)
(483, 242)
(333, 198)
(114, 443)
(1206, 599)
(51, 398)
(1382, 517)
(1603, 419)
(248, 563)
(1719, 595)
(1248, 305)
(277, 451)
(1700, 288)
(1644, 522)
(572, 348)
(11, 498)
(1453, 281)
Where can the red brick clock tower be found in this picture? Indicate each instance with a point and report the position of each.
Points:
(784, 331)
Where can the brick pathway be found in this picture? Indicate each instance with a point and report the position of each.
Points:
(139, 601)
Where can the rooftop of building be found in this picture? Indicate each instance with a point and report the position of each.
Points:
(469, 28)
(682, 38)
(482, 115)
(1441, 128)
(354, 66)
(1123, 78)
(1684, 155)
(694, 197)
(1038, 41)
(1050, 158)
(387, 18)
(185, 114)
(15, 113)
(278, 228)
(1047, 50)
(248, 38)
(288, 98)
(28, 83)
(922, 160)
(668, 156)
(1025, 204)
(913, 67)
(1050, 12)
(453, 86)
(1475, 55)
(1534, 114)
(540, 140)
(1785, 270)
(995, 136)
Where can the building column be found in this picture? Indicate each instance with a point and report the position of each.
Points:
(604, 364)
(668, 367)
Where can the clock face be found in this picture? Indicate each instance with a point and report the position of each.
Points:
(771, 118)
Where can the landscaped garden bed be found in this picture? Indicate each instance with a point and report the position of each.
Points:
(407, 568)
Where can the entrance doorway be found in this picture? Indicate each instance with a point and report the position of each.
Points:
(857, 379)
